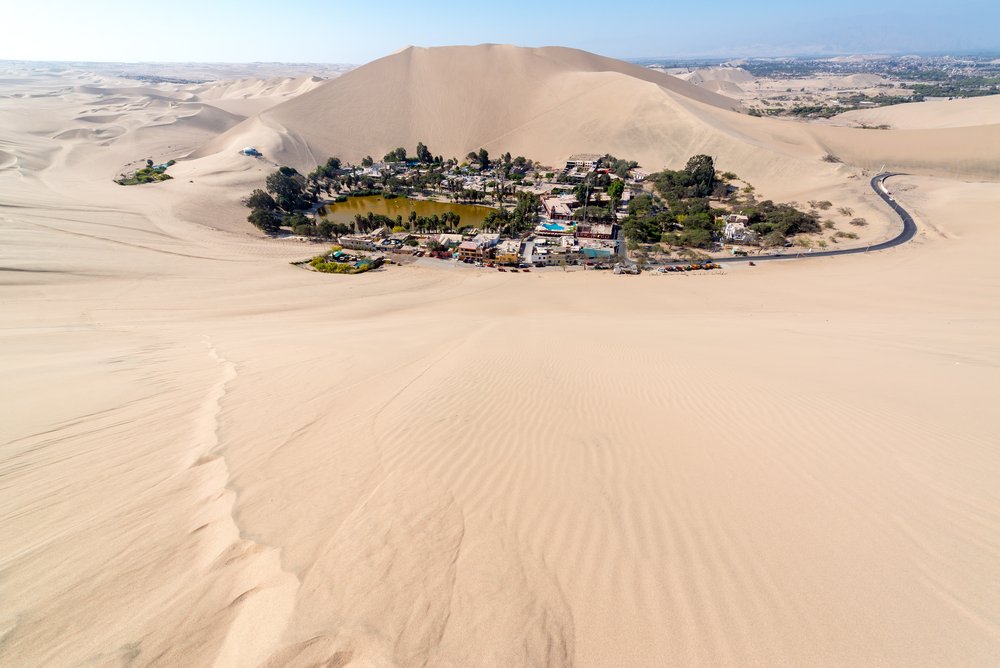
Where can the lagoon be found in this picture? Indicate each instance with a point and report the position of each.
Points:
(344, 212)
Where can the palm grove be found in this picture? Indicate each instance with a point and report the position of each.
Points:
(288, 193)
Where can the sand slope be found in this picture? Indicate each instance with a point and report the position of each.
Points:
(974, 111)
(551, 102)
(210, 457)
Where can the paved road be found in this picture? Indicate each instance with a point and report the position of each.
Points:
(908, 232)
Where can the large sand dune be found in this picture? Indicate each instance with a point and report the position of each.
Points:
(211, 457)
(550, 102)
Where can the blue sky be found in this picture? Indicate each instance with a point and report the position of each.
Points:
(356, 32)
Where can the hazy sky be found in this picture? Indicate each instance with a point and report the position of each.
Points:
(356, 32)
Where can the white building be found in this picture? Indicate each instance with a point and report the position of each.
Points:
(738, 232)
(582, 161)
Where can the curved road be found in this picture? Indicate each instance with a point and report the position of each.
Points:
(908, 232)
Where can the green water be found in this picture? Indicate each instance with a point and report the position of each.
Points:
(344, 212)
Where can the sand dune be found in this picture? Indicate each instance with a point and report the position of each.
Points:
(549, 103)
(734, 75)
(975, 111)
(413, 95)
(250, 96)
(211, 457)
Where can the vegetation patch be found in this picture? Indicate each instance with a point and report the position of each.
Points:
(679, 212)
(328, 264)
(149, 174)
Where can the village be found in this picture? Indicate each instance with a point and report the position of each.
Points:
(596, 211)
(558, 237)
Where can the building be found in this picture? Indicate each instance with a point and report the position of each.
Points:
(559, 207)
(552, 256)
(582, 161)
(358, 242)
(736, 230)
(487, 239)
(470, 250)
(509, 251)
(596, 250)
(478, 248)
(597, 230)
(597, 254)
(395, 241)
(446, 240)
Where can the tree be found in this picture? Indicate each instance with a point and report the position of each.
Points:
(264, 221)
(483, 158)
(615, 191)
(641, 229)
(772, 239)
(326, 229)
(328, 169)
(696, 238)
(423, 153)
(618, 167)
(592, 213)
(701, 169)
(367, 161)
(286, 186)
(261, 200)
(582, 192)
(395, 155)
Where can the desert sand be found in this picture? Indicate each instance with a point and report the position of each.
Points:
(211, 457)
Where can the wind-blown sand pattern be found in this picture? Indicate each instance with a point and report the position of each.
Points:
(209, 457)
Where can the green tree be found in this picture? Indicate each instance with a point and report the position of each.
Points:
(641, 229)
(615, 191)
(583, 191)
(286, 185)
(264, 220)
(261, 200)
(328, 169)
(701, 169)
(395, 155)
(424, 154)
(367, 161)
(483, 158)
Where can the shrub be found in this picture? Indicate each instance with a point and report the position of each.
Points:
(859, 222)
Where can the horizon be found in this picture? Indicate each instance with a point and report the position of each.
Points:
(115, 32)
(981, 53)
